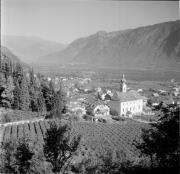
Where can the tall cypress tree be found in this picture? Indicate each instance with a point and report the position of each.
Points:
(41, 103)
(33, 91)
(59, 103)
(24, 95)
(48, 95)
(17, 77)
(7, 94)
(16, 94)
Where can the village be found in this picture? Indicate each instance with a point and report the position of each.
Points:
(87, 102)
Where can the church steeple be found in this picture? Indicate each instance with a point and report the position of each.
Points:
(123, 86)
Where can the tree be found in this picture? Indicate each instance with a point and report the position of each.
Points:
(24, 94)
(149, 102)
(7, 94)
(48, 96)
(114, 112)
(17, 77)
(161, 142)
(33, 91)
(41, 103)
(59, 104)
(113, 162)
(58, 147)
(2, 79)
(18, 72)
(51, 86)
(89, 109)
(16, 94)
(16, 157)
(23, 157)
(7, 67)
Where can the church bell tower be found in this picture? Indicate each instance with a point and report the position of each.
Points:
(123, 86)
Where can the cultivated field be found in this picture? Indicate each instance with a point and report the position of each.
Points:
(98, 137)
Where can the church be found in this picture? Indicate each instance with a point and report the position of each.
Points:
(126, 103)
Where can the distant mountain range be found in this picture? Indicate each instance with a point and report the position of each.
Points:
(28, 49)
(150, 47)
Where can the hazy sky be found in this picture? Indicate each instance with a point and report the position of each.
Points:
(64, 21)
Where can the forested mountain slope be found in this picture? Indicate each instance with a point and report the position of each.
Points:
(154, 47)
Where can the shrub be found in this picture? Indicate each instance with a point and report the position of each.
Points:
(59, 147)
(114, 112)
(16, 156)
(6, 118)
(118, 118)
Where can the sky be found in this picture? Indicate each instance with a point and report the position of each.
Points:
(66, 20)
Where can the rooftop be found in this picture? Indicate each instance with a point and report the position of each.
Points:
(127, 96)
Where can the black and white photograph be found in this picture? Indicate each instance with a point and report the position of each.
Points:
(89, 87)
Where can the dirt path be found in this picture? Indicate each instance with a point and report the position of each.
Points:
(21, 122)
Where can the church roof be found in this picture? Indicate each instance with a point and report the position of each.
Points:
(127, 96)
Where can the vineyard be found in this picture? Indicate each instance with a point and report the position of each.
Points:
(99, 137)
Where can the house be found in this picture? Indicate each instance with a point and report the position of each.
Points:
(124, 102)
(155, 94)
(162, 91)
(101, 110)
(109, 93)
(105, 94)
(49, 79)
(98, 89)
(98, 108)
(139, 90)
(155, 104)
(176, 89)
(175, 93)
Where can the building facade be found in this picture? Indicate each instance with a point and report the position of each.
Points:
(126, 103)
(101, 110)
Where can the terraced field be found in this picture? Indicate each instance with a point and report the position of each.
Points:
(99, 137)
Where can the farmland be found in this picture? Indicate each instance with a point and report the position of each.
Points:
(98, 137)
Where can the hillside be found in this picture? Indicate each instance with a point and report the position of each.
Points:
(6, 55)
(150, 47)
(5, 52)
(29, 49)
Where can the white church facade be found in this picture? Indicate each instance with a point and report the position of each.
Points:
(126, 103)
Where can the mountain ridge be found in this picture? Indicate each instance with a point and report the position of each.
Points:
(155, 46)
(29, 48)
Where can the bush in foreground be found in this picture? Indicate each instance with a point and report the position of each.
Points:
(16, 157)
(59, 147)
(161, 143)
